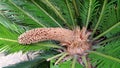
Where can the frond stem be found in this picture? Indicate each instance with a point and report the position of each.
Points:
(110, 39)
(46, 13)
(74, 61)
(50, 45)
(100, 17)
(57, 12)
(106, 56)
(61, 58)
(70, 12)
(55, 56)
(27, 14)
(10, 40)
(106, 31)
(118, 10)
(84, 59)
(89, 12)
(75, 6)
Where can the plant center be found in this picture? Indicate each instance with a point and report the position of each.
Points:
(79, 43)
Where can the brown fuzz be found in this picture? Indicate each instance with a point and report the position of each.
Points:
(79, 43)
(76, 41)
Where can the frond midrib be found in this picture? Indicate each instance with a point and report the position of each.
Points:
(6, 39)
(106, 56)
(27, 14)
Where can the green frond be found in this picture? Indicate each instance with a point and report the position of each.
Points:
(87, 10)
(14, 15)
(70, 12)
(107, 19)
(27, 64)
(108, 30)
(109, 39)
(12, 26)
(100, 17)
(18, 12)
(37, 62)
(107, 56)
(118, 10)
(60, 9)
(8, 42)
(21, 8)
(46, 13)
(75, 4)
(66, 64)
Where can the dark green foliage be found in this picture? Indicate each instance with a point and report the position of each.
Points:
(111, 54)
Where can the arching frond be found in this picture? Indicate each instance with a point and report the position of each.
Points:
(8, 42)
(87, 10)
(107, 56)
(107, 18)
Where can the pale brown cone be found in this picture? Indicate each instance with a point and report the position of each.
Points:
(42, 34)
(76, 41)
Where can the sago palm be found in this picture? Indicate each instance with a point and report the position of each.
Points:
(68, 33)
